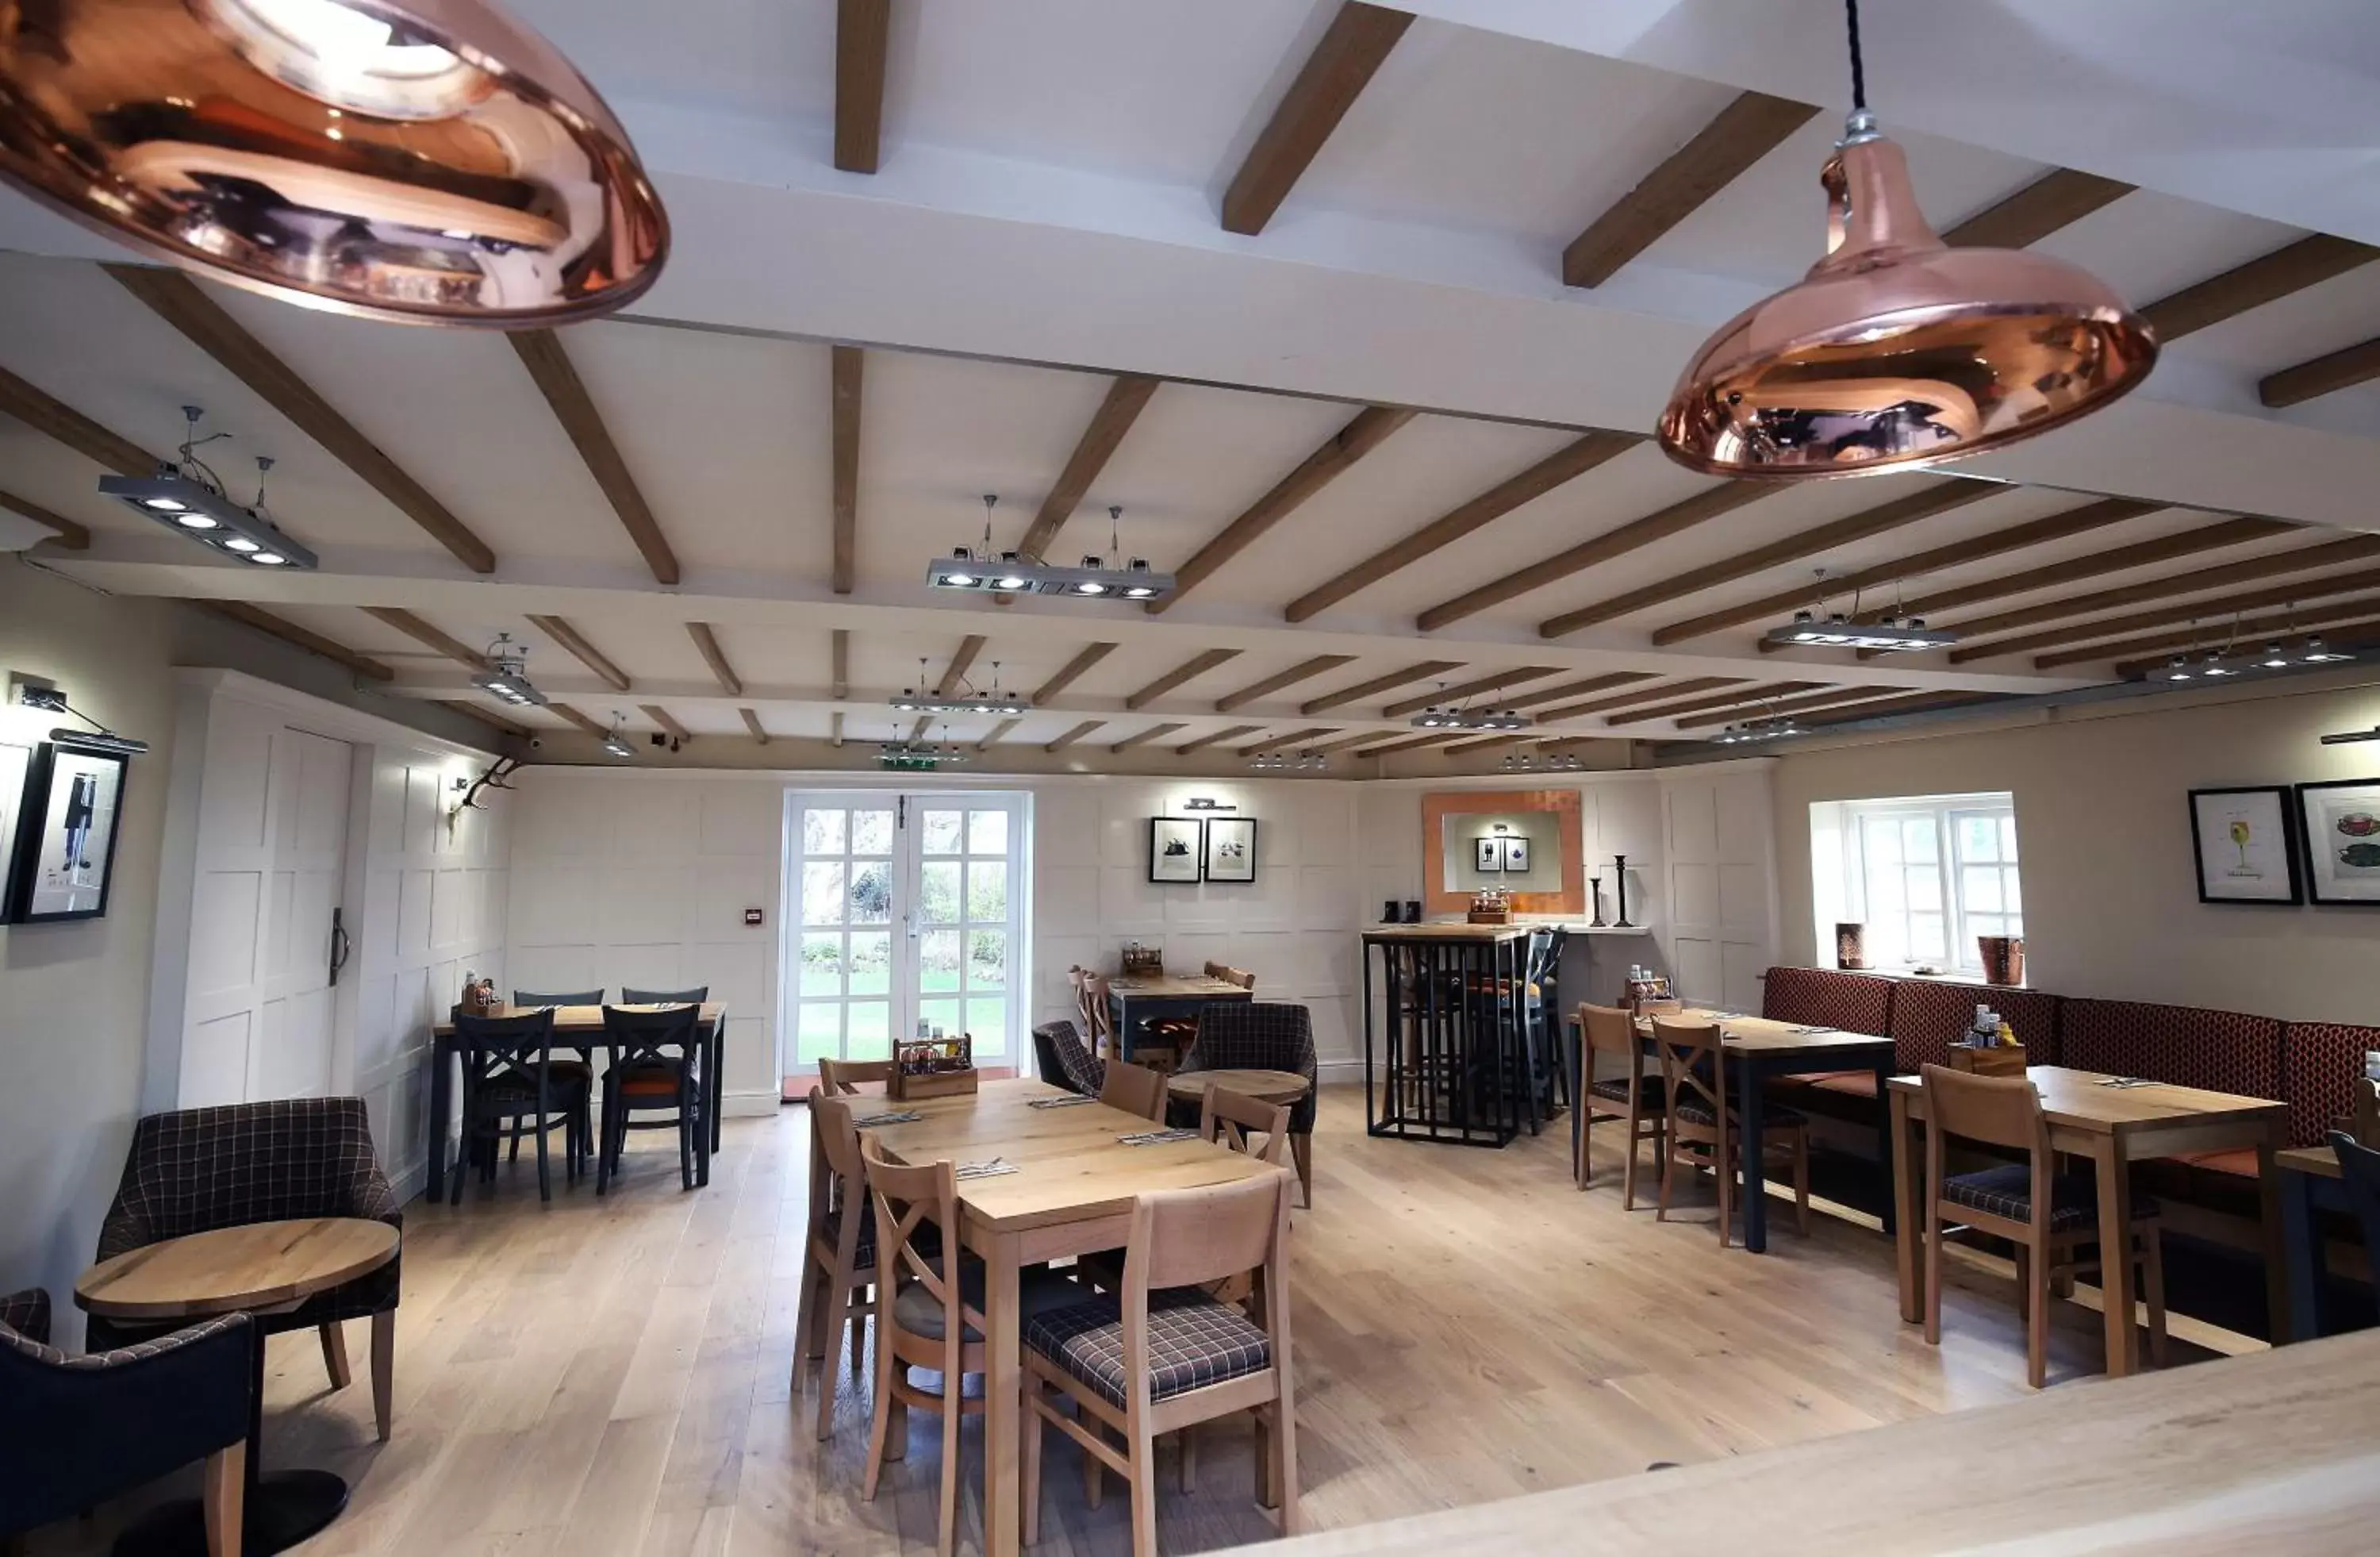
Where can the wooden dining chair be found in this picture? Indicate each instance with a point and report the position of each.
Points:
(513, 1085)
(1702, 1126)
(1635, 1098)
(2052, 1218)
(844, 1079)
(1098, 1021)
(1160, 1353)
(1134, 1089)
(1226, 1118)
(656, 1068)
(1230, 975)
(930, 1314)
(840, 1254)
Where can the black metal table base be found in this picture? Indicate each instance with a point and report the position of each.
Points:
(283, 1508)
(1451, 1062)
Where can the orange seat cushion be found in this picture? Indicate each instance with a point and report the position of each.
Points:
(1851, 1083)
(2240, 1162)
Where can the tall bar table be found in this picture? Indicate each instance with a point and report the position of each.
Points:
(1445, 1058)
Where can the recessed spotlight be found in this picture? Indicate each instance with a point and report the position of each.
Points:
(959, 580)
(1088, 587)
(240, 543)
(195, 522)
(268, 559)
(1139, 592)
(1008, 581)
(164, 504)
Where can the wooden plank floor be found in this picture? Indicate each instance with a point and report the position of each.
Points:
(602, 1377)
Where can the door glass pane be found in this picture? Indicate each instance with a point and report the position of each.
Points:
(988, 890)
(818, 1031)
(938, 961)
(821, 830)
(822, 892)
(940, 831)
(870, 1036)
(871, 892)
(987, 833)
(822, 963)
(986, 1021)
(943, 1012)
(871, 963)
(937, 891)
(871, 831)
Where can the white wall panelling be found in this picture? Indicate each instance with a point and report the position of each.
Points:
(1720, 931)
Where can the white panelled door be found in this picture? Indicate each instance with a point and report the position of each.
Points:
(903, 907)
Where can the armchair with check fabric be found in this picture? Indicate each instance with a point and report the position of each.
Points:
(1264, 1035)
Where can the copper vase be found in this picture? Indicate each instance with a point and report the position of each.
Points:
(2003, 958)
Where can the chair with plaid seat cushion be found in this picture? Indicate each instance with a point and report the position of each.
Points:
(1159, 1355)
(75, 1431)
(1703, 1128)
(1066, 1059)
(198, 1169)
(1634, 1098)
(2052, 1218)
(1265, 1035)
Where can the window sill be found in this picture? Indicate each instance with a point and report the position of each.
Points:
(1972, 981)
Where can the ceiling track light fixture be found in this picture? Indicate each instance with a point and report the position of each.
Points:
(1450, 716)
(982, 570)
(921, 699)
(896, 754)
(186, 497)
(410, 161)
(616, 744)
(507, 677)
(1895, 352)
(1816, 628)
(1282, 761)
(1773, 728)
(2230, 660)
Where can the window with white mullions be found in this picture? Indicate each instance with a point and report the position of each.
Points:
(1928, 874)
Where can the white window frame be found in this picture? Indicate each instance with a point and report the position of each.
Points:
(1944, 812)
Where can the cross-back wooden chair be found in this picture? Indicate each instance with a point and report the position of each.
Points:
(1161, 1354)
(1702, 1126)
(1134, 1089)
(1230, 975)
(840, 1253)
(1636, 1098)
(843, 1079)
(1228, 1118)
(2052, 1218)
(1098, 1021)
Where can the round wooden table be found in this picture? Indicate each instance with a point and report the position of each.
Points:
(1265, 1085)
(264, 1268)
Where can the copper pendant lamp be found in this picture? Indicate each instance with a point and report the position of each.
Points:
(1897, 351)
(417, 161)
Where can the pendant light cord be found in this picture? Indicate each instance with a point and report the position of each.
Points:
(1859, 72)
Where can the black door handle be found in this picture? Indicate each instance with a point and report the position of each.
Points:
(340, 946)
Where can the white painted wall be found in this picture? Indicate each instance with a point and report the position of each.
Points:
(1720, 861)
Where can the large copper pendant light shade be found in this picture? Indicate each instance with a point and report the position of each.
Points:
(1897, 351)
(421, 161)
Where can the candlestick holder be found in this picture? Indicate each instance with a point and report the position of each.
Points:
(1619, 873)
(1594, 901)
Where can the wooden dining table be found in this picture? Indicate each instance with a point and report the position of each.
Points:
(2114, 1127)
(2311, 1184)
(1072, 1194)
(580, 1027)
(1759, 1050)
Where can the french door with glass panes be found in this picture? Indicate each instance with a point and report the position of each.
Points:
(904, 908)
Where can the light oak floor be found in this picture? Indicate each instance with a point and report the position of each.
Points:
(610, 1376)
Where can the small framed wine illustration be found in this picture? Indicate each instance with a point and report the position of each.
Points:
(2246, 848)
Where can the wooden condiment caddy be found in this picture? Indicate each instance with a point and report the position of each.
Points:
(1144, 961)
(933, 1067)
(2007, 1059)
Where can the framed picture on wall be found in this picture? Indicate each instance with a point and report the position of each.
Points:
(2338, 822)
(1173, 848)
(2246, 846)
(1516, 855)
(1491, 856)
(65, 834)
(1231, 848)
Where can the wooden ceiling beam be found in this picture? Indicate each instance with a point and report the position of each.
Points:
(1741, 697)
(487, 716)
(706, 642)
(1563, 465)
(2144, 554)
(304, 638)
(2057, 199)
(56, 419)
(2312, 260)
(1358, 738)
(576, 644)
(1579, 689)
(1333, 75)
(1305, 670)
(421, 632)
(862, 31)
(1634, 535)
(752, 722)
(1745, 130)
(566, 712)
(918, 727)
(2305, 559)
(961, 662)
(1940, 498)
(846, 370)
(1214, 738)
(1911, 702)
(668, 726)
(1641, 694)
(834, 729)
(1292, 741)
(1833, 698)
(996, 733)
(1153, 733)
(1070, 736)
(1389, 682)
(2218, 614)
(1072, 672)
(2324, 375)
(1127, 398)
(1484, 743)
(550, 367)
(178, 300)
(69, 534)
(1197, 665)
(1409, 743)
(2037, 533)
(1367, 432)
(1485, 686)
(839, 656)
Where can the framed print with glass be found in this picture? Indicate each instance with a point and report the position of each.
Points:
(1231, 848)
(2246, 848)
(1173, 848)
(2339, 821)
(1490, 853)
(1516, 854)
(65, 834)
